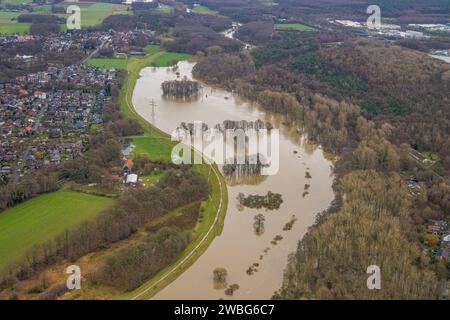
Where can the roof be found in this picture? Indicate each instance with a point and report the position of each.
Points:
(128, 164)
(132, 178)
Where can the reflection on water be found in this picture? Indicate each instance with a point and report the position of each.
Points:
(253, 260)
(234, 180)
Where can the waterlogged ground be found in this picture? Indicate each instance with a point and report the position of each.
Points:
(239, 247)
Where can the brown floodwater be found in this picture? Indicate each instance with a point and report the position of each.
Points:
(239, 247)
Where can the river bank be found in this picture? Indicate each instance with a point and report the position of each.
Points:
(239, 247)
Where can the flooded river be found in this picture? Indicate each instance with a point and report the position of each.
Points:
(239, 247)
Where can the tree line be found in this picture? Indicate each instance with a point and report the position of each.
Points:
(129, 268)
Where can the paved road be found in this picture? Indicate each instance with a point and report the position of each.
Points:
(95, 51)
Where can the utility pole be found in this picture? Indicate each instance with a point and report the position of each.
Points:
(153, 105)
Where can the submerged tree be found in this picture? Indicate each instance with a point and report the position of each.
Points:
(220, 278)
(180, 89)
(259, 224)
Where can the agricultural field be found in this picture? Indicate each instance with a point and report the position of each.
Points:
(8, 16)
(155, 148)
(16, 1)
(14, 28)
(152, 49)
(43, 218)
(170, 58)
(93, 14)
(203, 10)
(8, 20)
(108, 63)
(42, 9)
(293, 27)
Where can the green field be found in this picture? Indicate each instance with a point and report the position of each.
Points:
(293, 27)
(17, 1)
(96, 13)
(8, 16)
(152, 50)
(170, 58)
(108, 63)
(93, 14)
(14, 28)
(42, 9)
(155, 148)
(43, 218)
(203, 10)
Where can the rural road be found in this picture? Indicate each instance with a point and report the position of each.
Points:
(95, 51)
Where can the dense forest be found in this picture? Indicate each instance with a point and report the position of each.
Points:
(371, 228)
(371, 104)
(223, 69)
(132, 266)
(256, 32)
(406, 11)
(195, 39)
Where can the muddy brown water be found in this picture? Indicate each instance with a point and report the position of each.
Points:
(239, 247)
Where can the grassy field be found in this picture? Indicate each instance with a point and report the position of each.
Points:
(96, 13)
(293, 27)
(93, 14)
(203, 10)
(42, 9)
(14, 28)
(170, 58)
(17, 1)
(153, 147)
(158, 145)
(43, 218)
(160, 59)
(8, 16)
(108, 63)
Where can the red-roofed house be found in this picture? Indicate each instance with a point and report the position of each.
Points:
(128, 165)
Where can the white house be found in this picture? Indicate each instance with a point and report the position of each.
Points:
(132, 179)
